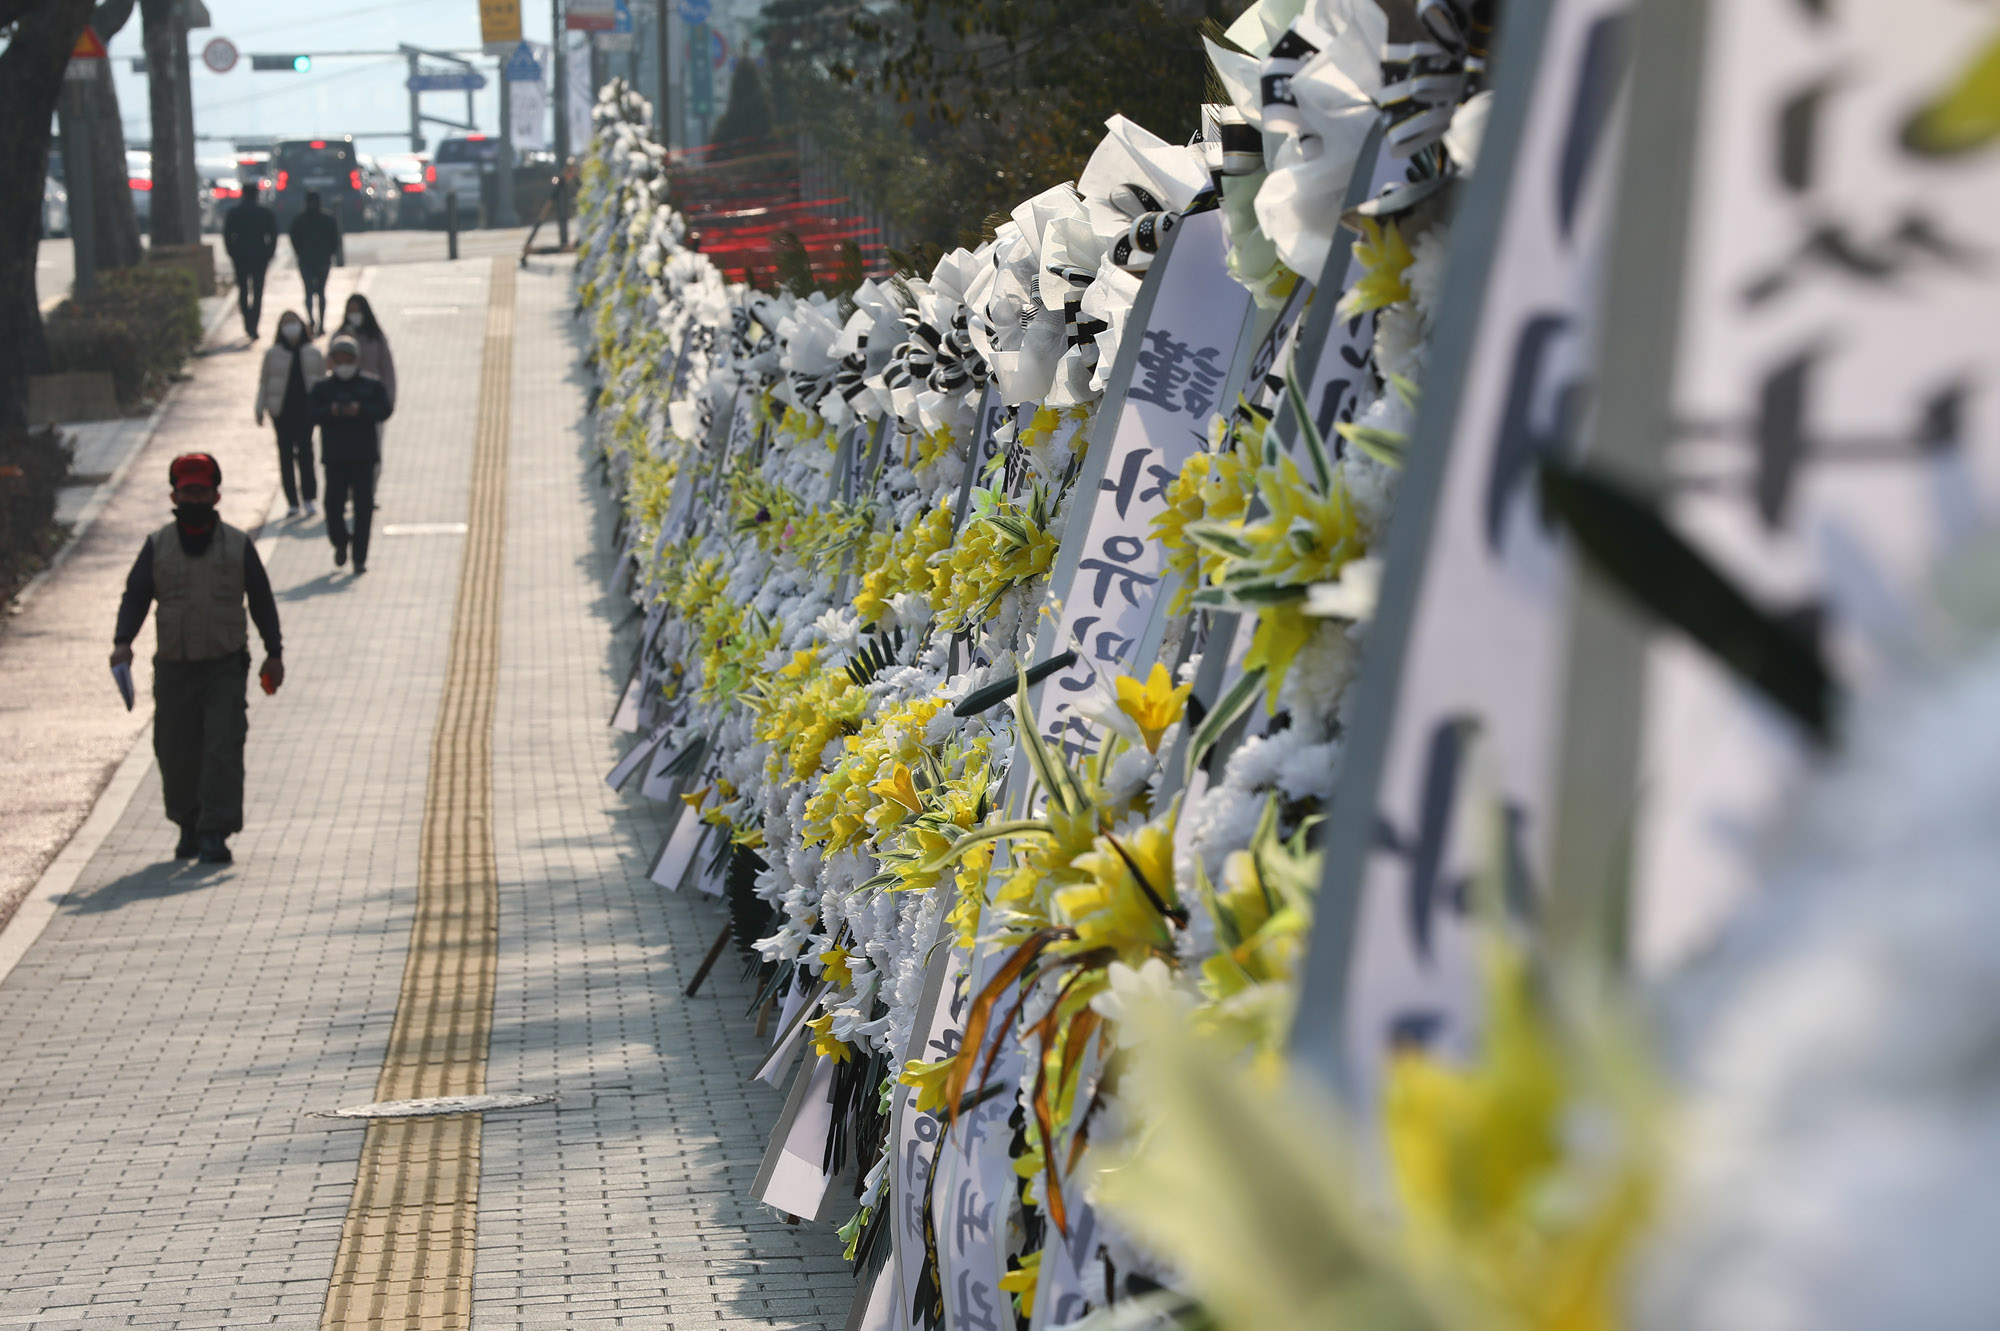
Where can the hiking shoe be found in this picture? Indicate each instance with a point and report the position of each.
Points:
(215, 849)
(188, 846)
(339, 556)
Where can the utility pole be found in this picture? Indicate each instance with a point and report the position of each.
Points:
(561, 58)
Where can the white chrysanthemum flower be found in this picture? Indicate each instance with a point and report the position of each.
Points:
(1401, 345)
(1130, 772)
(1429, 255)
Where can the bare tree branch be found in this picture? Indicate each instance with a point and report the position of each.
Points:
(110, 16)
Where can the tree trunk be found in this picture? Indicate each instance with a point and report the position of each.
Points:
(31, 80)
(117, 220)
(163, 70)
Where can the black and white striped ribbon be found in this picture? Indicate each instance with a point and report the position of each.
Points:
(1134, 251)
(959, 364)
(851, 379)
(1274, 83)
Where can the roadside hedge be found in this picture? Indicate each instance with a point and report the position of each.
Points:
(139, 325)
(33, 467)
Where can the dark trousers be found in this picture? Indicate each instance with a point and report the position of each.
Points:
(295, 460)
(358, 480)
(201, 713)
(315, 280)
(250, 295)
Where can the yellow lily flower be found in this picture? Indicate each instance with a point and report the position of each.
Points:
(1155, 705)
(1021, 1282)
(835, 968)
(900, 787)
(929, 1080)
(1111, 908)
(1282, 632)
(826, 1042)
(1385, 256)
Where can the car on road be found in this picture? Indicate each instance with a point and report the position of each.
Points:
(254, 167)
(55, 208)
(329, 166)
(220, 189)
(464, 164)
(385, 201)
(419, 203)
(139, 175)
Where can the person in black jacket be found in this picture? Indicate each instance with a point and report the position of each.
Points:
(348, 406)
(203, 572)
(250, 234)
(317, 244)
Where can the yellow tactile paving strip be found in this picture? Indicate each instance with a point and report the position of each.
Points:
(406, 1249)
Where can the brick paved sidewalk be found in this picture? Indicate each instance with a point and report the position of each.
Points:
(164, 1041)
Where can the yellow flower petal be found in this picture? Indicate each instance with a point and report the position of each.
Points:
(1154, 705)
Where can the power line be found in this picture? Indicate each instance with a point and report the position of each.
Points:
(342, 17)
(283, 89)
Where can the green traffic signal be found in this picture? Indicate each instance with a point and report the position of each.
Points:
(302, 64)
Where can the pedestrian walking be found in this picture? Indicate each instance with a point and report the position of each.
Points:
(318, 246)
(250, 234)
(358, 322)
(349, 406)
(202, 571)
(291, 367)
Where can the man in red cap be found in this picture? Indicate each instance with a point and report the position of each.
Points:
(201, 570)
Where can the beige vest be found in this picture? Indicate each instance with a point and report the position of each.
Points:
(201, 596)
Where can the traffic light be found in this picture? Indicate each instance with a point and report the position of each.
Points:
(291, 64)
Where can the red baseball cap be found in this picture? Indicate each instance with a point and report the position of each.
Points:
(195, 469)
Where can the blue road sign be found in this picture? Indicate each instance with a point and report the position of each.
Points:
(695, 11)
(522, 67)
(470, 81)
(624, 20)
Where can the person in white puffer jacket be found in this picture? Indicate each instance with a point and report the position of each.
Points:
(291, 367)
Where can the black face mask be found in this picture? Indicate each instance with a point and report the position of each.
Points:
(195, 524)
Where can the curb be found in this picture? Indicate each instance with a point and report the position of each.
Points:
(40, 905)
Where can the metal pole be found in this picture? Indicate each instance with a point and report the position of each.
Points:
(677, 85)
(451, 221)
(503, 204)
(561, 58)
(77, 167)
(663, 22)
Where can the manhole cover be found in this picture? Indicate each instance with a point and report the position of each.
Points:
(438, 1105)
